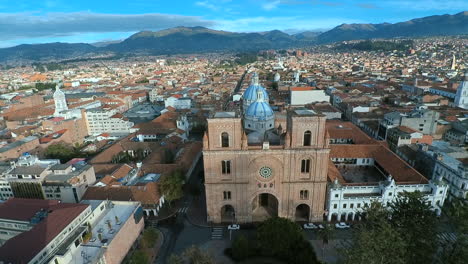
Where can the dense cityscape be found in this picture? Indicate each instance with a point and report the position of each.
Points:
(349, 151)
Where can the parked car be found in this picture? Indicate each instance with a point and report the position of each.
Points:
(310, 226)
(234, 227)
(342, 225)
(320, 226)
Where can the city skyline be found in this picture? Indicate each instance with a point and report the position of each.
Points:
(28, 22)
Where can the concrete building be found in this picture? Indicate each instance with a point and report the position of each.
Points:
(30, 177)
(307, 95)
(100, 120)
(55, 232)
(420, 119)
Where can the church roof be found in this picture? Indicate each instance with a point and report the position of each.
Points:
(251, 93)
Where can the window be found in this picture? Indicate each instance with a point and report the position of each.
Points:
(307, 138)
(390, 194)
(227, 195)
(358, 205)
(305, 166)
(304, 194)
(344, 205)
(226, 166)
(225, 140)
(335, 206)
(336, 195)
(351, 206)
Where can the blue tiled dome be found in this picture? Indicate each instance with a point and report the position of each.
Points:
(251, 93)
(259, 110)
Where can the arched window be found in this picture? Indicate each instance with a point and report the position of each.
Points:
(305, 166)
(225, 140)
(307, 138)
(227, 195)
(304, 194)
(226, 166)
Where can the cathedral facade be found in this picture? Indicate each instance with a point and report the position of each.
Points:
(259, 163)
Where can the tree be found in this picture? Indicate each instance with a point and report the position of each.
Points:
(196, 256)
(150, 237)
(375, 240)
(175, 259)
(414, 219)
(171, 186)
(456, 251)
(139, 257)
(62, 151)
(240, 248)
(283, 239)
(325, 235)
(402, 232)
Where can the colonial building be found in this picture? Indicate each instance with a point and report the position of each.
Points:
(260, 164)
(295, 164)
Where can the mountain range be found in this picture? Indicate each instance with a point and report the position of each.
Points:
(182, 40)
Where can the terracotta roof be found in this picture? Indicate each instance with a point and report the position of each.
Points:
(307, 88)
(146, 194)
(59, 216)
(394, 165)
(347, 130)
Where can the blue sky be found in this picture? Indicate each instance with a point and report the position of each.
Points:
(41, 21)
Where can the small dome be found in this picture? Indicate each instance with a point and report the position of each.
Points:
(251, 93)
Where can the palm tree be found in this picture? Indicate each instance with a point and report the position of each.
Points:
(325, 235)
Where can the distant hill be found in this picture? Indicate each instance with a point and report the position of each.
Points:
(443, 25)
(200, 39)
(49, 51)
(180, 40)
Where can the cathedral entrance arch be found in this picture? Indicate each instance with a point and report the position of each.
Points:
(228, 214)
(264, 206)
(302, 212)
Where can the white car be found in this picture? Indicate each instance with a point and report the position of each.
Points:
(320, 226)
(310, 226)
(234, 227)
(342, 225)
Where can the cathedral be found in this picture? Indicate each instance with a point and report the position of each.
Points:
(260, 163)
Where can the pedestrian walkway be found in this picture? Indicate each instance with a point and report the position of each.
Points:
(217, 233)
(447, 237)
(182, 210)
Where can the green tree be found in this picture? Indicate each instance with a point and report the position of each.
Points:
(283, 239)
(456, 251)
(240, 248)
(139, 257)
(416, 222)
(175, 259)
(195, 255)
(150, 237)
(375, 240)
(171, 186)
(325, 235)
(62, 151)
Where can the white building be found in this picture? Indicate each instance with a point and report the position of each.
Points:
(307, 95)
(178, 103)
(30, 177)
(461, 98)
(99, 120)
(344, 202)
(60, 101)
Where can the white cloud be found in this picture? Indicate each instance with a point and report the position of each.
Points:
(449, 5)
(270, 5)
(27, 25)
(255, 24)
(208, 5)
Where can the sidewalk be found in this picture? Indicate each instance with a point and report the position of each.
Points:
(196, 213)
